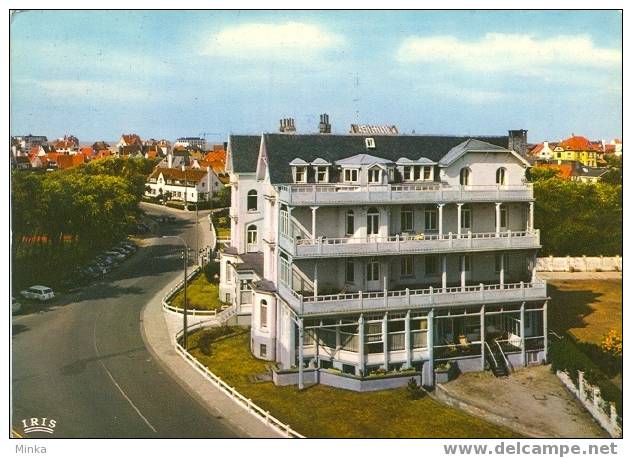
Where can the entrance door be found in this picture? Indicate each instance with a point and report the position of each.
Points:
(372, 223)
(373, 276)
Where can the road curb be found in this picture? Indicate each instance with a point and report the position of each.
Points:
(159, 343)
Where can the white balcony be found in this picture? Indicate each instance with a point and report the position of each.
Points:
(410, 244)
(414, 298)
(336, 194)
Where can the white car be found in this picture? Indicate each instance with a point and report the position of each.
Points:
(39, 292)
(15, 305)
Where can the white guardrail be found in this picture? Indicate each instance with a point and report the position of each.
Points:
(240, 399)
(173, 291)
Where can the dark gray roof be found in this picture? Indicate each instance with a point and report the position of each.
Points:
(244, 151)
(283, 148)
(469, 145)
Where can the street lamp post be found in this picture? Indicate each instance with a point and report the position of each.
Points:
(186, 261)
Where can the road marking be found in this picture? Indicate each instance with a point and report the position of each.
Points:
(96, 349)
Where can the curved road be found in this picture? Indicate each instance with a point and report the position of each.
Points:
(81, 360)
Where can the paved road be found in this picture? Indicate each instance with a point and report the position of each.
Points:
(81, 360)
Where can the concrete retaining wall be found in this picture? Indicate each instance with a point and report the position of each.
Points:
(345, 382)
(580, 264)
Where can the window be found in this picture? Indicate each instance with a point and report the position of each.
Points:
(499, 263)
(301, 175)
(285, 221)
(408, 173)
(350, 223)
(252, 200)
(373, 271)
(263, 350)
(374, 175)
(430, 219)
(229, 272)
(252, 234)
(407, 219)
(427, 173)
(350, 272)
(430, 264)
(351, 175)
(284, 270)
(372, 221)
(464, 177)
(466, 218)
(465, 263)
(503, 216)
(263, 314)
(407, 266)
(322, 175)
(500, 176)
(369, 142)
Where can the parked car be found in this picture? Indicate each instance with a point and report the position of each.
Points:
(15, 305)
(121, 250)
(39, 292)
(115, 255)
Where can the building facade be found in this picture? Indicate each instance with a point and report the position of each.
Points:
(364, 255)
(185, 184)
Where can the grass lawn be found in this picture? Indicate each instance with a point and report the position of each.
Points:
(587, 309)
(201, 295)
(322, 411)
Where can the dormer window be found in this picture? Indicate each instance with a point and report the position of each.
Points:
(350, 175)
(370, 143)
(375, 175)
(322, 174)
(300, 174)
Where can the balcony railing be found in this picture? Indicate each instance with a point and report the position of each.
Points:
(413, 298)
(332, 194)
(420, 243)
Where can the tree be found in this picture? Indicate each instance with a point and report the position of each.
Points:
(536, 174)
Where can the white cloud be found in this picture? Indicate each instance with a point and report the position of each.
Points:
(499, 52)
(474, 96)
(83, 89)
(291, 39)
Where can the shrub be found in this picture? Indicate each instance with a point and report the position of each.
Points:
(612, 343)
(414, 389)
(210, 270)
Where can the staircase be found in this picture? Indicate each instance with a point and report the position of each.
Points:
(496, 360)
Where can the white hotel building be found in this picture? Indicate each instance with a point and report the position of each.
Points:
(359, 258)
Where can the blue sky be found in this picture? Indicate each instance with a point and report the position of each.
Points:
(97, 74)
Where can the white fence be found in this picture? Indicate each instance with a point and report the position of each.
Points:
(232, 393)
(580, 264)
(605, 413)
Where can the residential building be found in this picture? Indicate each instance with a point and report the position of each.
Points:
(26, 142)
(543, 151)
(191, 142)
(359, 253)
(577, 148)
(186, 184)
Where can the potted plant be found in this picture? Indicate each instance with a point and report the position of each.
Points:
(444, 372)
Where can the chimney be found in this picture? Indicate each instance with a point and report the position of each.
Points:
(324, 127)
(517, 141)
(287, 125)
(169, 159)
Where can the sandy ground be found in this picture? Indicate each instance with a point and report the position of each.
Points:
(533, 397)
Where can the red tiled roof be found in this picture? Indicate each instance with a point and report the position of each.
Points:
(577, 143)
(131, 139)
(86, 150)
(66, 161)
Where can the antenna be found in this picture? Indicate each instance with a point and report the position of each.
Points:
(356, 100)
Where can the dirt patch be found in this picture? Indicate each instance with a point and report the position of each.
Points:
(533, 399)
